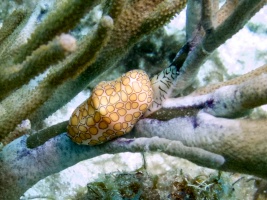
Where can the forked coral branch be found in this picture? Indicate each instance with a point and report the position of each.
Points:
(203, 127)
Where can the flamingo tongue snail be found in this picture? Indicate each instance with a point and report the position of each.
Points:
(115, 106)
(112, 110)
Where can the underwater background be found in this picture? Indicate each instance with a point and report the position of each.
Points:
(146, 175)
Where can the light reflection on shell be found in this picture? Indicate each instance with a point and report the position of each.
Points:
(112, 109)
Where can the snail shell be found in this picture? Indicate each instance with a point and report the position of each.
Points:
(112, 109)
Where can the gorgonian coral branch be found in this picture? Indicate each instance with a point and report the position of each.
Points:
(228, 101)
(60, 153)
(212, 40)
(12, 77)
(11, 23)
(130, 26)
(32, 99)
(240, 142)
